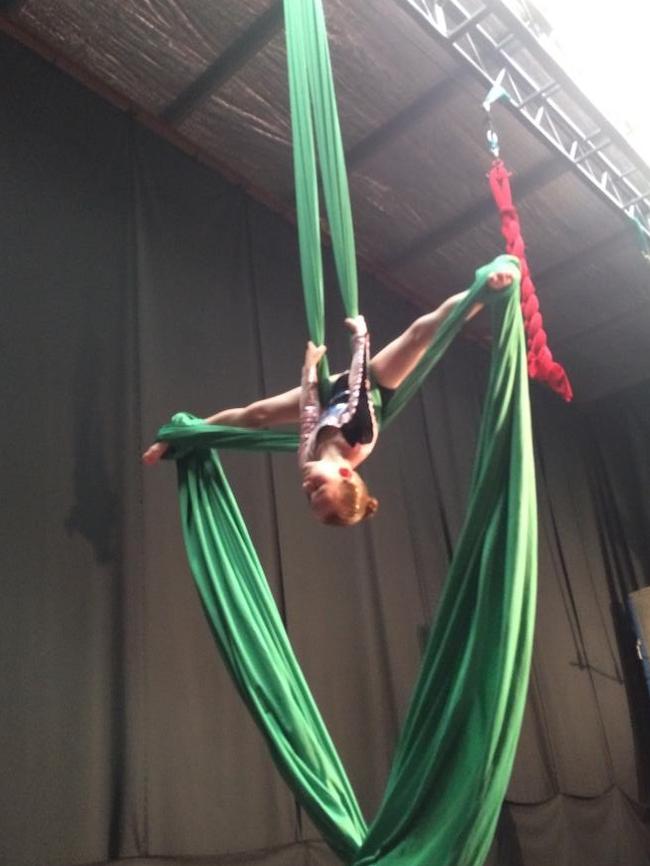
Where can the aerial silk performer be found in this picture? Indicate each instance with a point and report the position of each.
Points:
(455, 752)
(339, 435)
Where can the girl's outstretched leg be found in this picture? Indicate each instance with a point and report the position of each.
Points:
(395, 361)
(269, 412)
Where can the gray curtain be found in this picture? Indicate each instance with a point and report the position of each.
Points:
(135, 282)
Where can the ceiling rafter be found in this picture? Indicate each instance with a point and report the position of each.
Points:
(11, 7)
(226, 65)
(554, 274)
(375, 141)
(433, 98)
(527, 183)
(568, 341)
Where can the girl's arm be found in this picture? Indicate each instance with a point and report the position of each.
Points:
(310, 407)
(359, 364)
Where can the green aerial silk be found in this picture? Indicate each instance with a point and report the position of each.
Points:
(311, 87)
(455, 753)
(454, 756)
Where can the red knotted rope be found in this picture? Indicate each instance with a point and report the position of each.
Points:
(541, 365)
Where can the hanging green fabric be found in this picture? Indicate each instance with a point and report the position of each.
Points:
(454, 756)
(455, 753)
(314, 119)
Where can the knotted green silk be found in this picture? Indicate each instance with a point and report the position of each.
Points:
(455, 753)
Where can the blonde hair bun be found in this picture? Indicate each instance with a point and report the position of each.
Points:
(371, 506)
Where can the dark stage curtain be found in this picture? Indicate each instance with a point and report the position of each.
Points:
(135, 282)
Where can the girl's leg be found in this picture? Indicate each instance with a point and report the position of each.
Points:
(395, 361)
(270, 412)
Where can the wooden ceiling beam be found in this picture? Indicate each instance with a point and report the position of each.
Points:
(552, 276)
(544, 173)
(11, 7)
(433, 98)
(238, 54)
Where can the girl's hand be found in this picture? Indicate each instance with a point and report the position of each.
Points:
(357, 325)
(500, 280)
(313, 354)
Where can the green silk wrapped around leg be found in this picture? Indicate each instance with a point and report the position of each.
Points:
(454, 756)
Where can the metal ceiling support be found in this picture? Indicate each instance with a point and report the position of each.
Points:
(525, 184)
(254, 39)
(399, 123)
(470, 22)
(500, 40)
(542, 92)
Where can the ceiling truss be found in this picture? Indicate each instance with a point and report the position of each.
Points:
(492, 39)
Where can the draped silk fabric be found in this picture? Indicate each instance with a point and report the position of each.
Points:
(454, 756)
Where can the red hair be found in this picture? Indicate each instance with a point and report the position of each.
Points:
(353, 503)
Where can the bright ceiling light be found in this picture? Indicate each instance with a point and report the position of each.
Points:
(604, 47)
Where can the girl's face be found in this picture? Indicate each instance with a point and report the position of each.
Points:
(322, 482)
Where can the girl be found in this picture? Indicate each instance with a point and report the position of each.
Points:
(336, 438)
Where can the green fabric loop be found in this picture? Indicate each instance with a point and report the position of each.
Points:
(248, 630)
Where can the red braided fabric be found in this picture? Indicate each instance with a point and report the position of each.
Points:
(541, 365)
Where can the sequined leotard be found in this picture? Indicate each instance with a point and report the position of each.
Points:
(350, 407)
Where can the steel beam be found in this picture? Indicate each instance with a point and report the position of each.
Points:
(470, 22)
(253, 40)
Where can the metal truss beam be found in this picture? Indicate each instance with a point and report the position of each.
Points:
(254, 39)
(533, 79)
(525, 184)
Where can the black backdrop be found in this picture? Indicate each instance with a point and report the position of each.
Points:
(134, 283)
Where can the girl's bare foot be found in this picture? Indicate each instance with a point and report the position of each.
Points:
(499, 280)
(154, 453)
